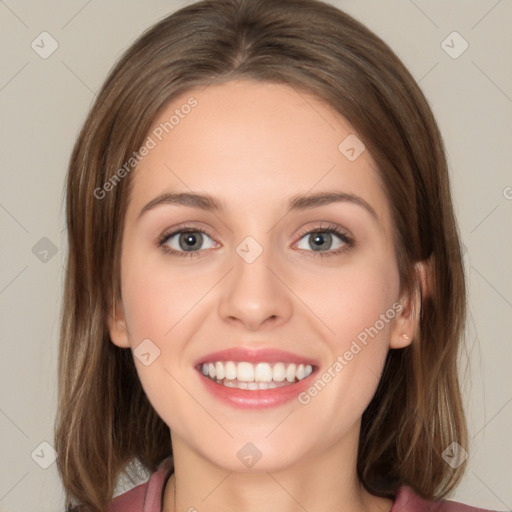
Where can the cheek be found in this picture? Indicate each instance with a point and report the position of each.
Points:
(353, 297)
(159, 304)
(157, 297)
(356, 305)
(358, 308)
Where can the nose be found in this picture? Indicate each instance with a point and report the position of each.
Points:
(254, 293)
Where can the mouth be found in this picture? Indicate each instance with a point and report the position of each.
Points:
(255, 376)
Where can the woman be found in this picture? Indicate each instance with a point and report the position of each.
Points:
(265, 293)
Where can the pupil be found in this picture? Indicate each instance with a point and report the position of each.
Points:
(319, 239)
(188, 241)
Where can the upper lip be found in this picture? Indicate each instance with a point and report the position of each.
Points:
(252, 355)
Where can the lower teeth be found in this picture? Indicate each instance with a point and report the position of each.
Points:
(251, 385)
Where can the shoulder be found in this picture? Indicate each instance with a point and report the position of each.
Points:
(408, 501)
(130, 501)
(146, 497)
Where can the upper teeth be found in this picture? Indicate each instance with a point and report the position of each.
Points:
(259, 372)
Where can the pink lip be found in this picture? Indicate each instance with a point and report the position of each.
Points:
(260, 398)
(267, 355)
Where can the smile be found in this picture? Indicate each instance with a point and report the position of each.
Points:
(254, 376)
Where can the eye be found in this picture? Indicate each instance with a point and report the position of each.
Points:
(325, 241)
(185, 242)
(321, 241)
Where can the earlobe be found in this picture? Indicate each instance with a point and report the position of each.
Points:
(406, 326)
(117, 326)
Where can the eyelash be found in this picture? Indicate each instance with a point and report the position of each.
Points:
(348, 241)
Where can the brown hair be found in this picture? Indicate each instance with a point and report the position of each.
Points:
(104, 417)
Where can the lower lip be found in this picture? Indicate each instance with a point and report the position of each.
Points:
(257, 398)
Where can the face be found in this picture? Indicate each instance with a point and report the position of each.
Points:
(265, 271)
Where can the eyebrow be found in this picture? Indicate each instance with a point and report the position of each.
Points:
(302, 202)
(193, 200)
(296, 202)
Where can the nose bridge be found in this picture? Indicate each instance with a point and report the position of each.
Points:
(253, 293)
(252, 261)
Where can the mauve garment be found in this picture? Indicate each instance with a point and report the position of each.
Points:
(147, 497)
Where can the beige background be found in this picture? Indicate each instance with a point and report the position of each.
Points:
(43, 103)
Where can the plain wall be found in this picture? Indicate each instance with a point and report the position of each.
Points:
(43, 103)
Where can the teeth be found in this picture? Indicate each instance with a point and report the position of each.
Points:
(245, 372)
(219, 371)
(290, 373)
(279, 372)
(246, 375)
(249, 385)
(263, 372)
(230, 369)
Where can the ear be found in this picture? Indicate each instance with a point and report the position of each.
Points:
(117, 325)
(406, 325)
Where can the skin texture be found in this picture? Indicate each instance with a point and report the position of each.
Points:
(255, 145)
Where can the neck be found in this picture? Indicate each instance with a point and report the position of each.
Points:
(323, 482)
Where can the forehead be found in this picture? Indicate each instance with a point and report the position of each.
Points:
(254, 144)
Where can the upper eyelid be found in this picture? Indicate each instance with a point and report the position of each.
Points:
(327, 227)
(186, 226)
(185, 229)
